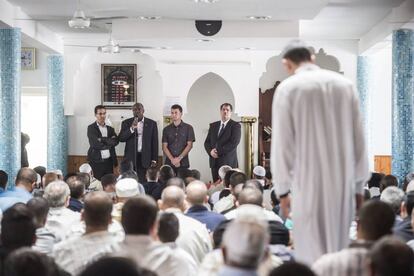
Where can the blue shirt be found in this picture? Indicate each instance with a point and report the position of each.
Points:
(203, 215)
(11, 197)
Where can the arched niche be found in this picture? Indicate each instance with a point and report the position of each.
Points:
(203, 107)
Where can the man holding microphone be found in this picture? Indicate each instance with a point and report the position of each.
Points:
(141, 137)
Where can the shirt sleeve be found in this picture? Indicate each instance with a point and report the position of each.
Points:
(191, 135)
(164, 135)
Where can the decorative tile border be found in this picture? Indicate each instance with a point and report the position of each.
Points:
(57, 147)
(402, 103)
(10, 44)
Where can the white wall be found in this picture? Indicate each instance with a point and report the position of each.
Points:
(37, 77)
(381, 104)
(171, 74)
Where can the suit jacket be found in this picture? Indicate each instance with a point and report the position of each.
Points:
(226, 144)
(98, 143)
(149, 150)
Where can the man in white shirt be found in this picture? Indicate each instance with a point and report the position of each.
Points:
(194, 237)
(73, 255)
(318, 153)
(102, 141)
(139, 219)
(59, 219)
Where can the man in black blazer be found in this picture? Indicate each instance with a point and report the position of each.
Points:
(222, 140)
(141, 136)
(102, 142)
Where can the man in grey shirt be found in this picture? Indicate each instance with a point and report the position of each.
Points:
(177, 140)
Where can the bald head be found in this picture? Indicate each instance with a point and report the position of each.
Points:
(97, 209)
(26, 177)
(250, 196)
(172, 197)
(196, 193)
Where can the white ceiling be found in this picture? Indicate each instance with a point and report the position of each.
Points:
(310, 19)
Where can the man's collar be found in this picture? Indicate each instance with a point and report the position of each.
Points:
(104, 125)
(197, 208)
(307, 66)
(225, 122)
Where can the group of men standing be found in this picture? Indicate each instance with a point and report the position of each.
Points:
(140, 135)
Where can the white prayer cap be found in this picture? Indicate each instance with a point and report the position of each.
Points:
(410, 187)
(85, 168)
(127, 187)
(259, 171)
(223, 170)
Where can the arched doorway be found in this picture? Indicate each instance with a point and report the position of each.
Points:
(203, 107)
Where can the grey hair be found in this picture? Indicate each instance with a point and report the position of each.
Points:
(57, 193)
(393, 196)
(245, 242)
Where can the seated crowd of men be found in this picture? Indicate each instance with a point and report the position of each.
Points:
(179, 225)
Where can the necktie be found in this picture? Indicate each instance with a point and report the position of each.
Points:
(221, 129)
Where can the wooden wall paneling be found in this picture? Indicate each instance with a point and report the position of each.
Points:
(382, 164)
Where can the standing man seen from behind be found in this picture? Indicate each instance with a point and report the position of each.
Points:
(222, 140)
(141, 137)
(177, 140)
(102, 142)
(318, 153)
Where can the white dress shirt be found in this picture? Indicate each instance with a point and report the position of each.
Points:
(140, 133)
(104, 131)
(222, 126)
(155, 256)
(73, 255)
(59, 221)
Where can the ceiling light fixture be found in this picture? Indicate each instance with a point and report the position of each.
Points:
(205, 40)
(259, 17)
(206, 1)
(150, 17)
(246, 48)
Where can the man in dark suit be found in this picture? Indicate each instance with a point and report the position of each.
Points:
(222, 140)
(141, 136)
(102, 142)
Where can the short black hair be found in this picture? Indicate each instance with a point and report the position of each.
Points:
(237, 178)
(99, 106)
(168, 227)
(69, 175)
(166, 172)
(76, 186)
(224, 193)
(390, 256)
(139, 215)
(85, 178)
(26, 176)
(152, 173)
(109, 266)
(4, 177)
(387, 181)
(409, 202)
(130, 174)
(375, 180)
(226, 104)
(40, 208)
(292, 269)
(253, 183)
(298, 55)
(18, 228)
(40, 170)
(196, 174)
(108, 179)
(28, 262)
(376, 219)
(227, 176)
(177, 106)
(183, 173)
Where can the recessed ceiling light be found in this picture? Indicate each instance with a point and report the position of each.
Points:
(149, 17)
(259, 17)
(163, 48)
(205, 40)
(246, 48)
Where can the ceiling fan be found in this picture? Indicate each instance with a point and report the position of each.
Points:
(112, 47)
(79, 20)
